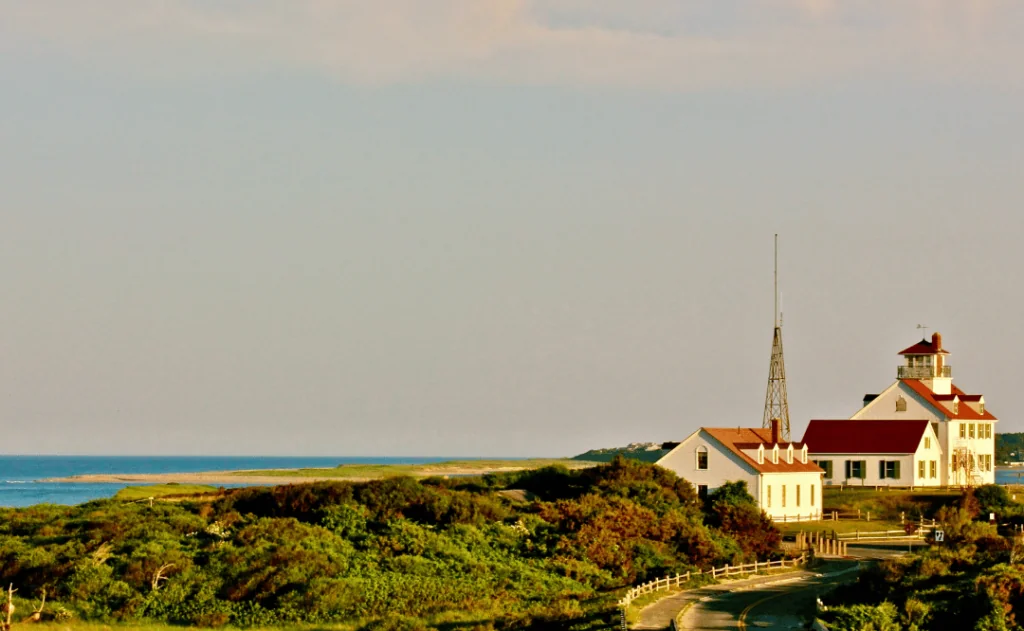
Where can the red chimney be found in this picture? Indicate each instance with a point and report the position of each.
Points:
(775, 431)
(936, 347)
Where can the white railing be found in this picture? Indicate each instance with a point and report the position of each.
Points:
(679, 580)
(923, 372)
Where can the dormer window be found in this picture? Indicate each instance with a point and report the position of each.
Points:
(956, 406)
(789, 454)
(803, 455)
(702, 458)
(760, 454)
(981, 407)
(775, 454)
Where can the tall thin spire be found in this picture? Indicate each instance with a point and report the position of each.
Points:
(776, 404)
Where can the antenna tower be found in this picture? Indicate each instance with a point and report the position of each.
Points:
(776, 405)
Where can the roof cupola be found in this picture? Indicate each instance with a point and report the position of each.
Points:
(926, 361)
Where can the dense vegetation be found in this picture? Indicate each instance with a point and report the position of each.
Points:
(973, 580)
(549, 547)
(1010, 447)
(645, 452)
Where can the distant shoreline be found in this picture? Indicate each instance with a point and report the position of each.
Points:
(204, 477)
(350, 473)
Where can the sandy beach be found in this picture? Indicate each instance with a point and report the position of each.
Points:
(307, 475)
(204, 477)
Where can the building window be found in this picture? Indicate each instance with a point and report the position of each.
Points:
(783, 496)
(826, 465)
(981, 407)
(935, 429)
(970, 430)
(889, 469)
(702, 492)
(927, 442)
(901, 404)
(760, 454)
(812, 495)
(988, 430)
(985, 462)
(798, 495)
(856, 468)
(702, 458)
(920, 468)
(932, 469)
(963, 430)
(769, 496)
(956, 406)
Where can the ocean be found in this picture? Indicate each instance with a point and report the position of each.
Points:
(21, 485)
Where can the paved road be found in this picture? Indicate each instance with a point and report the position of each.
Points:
(661, 613)
(777, 606)
(787, 605)
(767, 602)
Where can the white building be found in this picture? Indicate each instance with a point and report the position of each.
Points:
(780, 476)
(924, 390)
(876, 453)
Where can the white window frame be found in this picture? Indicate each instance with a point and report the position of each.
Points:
(701, 449)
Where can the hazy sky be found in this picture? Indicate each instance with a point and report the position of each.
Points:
(494, 227)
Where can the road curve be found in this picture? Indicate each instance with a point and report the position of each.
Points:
(776, 606)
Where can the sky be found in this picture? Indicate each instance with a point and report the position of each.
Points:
(502, 228)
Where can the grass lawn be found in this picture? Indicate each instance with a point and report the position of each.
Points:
(888, 504)
(133, 493)
(842, 525)
(451, 467)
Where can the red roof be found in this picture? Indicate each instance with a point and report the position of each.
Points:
(740, 438)
(864, 437)
(924, 347)
(944, 403)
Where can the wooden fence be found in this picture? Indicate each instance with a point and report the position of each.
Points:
(876, 535)
(807, 517)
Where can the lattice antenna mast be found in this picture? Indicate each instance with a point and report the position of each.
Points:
(776, 404)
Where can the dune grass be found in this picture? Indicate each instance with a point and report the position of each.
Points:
(142, 492)
(451, 467)
(78, 625)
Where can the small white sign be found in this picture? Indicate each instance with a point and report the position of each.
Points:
(940, 536)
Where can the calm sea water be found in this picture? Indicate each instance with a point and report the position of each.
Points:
(1012, 476)
(21, 485)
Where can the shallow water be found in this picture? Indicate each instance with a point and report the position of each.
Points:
(21, 485)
